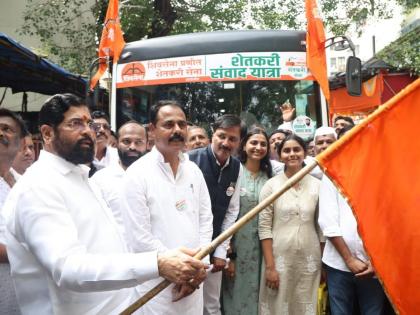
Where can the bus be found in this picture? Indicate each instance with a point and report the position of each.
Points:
(250, 73)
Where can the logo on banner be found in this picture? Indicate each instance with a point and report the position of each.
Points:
(134, 71)
(304, 127)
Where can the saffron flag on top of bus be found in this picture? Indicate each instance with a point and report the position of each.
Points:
(215, 67)
(315, 46)
(112, 41)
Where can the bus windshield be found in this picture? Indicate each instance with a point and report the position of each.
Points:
(248, 73)
(256, 102)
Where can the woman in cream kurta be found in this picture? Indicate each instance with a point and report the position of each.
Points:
(289, 233)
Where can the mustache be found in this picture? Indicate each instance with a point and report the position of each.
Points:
(224, 148)
(101, 133)
(4, 141)
(86, 138)
(176, 137)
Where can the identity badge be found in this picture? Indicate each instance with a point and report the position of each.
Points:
(230, 190)
(181, 205)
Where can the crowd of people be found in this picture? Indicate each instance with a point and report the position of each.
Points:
(97, 222)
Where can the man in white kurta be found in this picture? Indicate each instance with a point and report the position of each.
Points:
(165, 195)
(131, 145)
(66, 252)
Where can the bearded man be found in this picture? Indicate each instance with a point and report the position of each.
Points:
(66, 252)
(131, 145)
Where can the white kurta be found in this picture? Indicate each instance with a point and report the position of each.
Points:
(162, 212)
(337, 219)
(4, 192)
(109, 181)
(66, 253)
(110, 158)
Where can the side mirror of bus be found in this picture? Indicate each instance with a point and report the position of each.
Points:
(354, 76)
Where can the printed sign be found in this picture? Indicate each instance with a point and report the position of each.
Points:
(304, 127)
(217, 67)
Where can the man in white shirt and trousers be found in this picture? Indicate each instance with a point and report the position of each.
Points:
(350, 276)
(12, 136)
(166, 195)
(131, 145)
(222, 173)
(66, 252)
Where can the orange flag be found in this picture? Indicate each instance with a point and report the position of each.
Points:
(376, 165)
(315, 46)
(112, 40)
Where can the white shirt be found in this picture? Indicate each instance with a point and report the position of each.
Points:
(110, 158)
(163, 212)
(336, 219)
(277, 167)
(109, 181)
(4, 192)
(65, 250)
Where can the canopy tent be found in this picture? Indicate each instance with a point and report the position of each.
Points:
(24, 71)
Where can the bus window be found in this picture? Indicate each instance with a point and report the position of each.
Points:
(256, 102)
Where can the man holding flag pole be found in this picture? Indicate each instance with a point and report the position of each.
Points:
(383, 198)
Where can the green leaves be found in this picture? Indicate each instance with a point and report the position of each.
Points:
(404, 53)
(70, 30)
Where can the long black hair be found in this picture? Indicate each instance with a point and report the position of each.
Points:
(265, 164)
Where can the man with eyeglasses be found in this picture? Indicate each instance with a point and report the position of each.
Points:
(131, 145)
(66, 252)
(105, 154)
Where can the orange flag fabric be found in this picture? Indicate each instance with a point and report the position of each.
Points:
(315, 46)
(112, 40)
(376, 165)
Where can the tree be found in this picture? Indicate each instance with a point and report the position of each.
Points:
(66, 30)
(69, 30)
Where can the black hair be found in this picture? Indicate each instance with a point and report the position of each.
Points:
(227, 121)
(53, 110)
(346, 118)
(4, 112)
(192, 127)
(265, 164)
(283, 131)
(132, 121)
(343, 131)
(154, 110)
(295, 137)
(97, 114)
(244, 129)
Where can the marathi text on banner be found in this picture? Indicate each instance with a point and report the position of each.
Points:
(217, 67)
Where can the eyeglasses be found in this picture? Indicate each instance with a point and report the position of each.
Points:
(104, 126)
(80, 124)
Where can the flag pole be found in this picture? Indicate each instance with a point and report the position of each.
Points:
(113, 104)
(228, 233)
